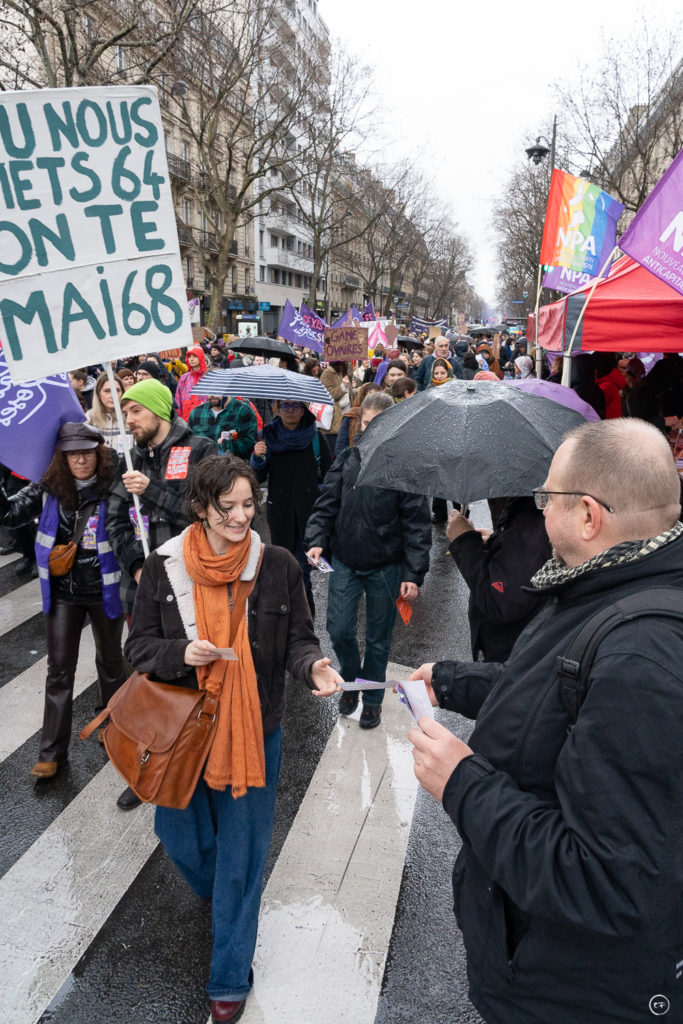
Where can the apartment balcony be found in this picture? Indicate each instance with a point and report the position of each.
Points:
(185, 235)
(207, 240)
(291, 260)
(288, 223)
(179, 168)
(351, 282)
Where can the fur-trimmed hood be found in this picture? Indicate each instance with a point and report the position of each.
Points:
(181, 581)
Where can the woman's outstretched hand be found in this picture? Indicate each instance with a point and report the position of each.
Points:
(200, 652)
(326, 678)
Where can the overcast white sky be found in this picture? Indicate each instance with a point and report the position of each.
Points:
(467, 85)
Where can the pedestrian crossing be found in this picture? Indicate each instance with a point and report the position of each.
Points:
(92, 906)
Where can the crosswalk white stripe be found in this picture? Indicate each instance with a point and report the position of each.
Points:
(328, 909)
(21, 700)
(21, 604)
(58, 895)
(8, 559)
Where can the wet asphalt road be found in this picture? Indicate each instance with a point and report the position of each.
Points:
(120, 976)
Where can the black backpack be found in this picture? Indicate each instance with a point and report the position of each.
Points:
(574, 668)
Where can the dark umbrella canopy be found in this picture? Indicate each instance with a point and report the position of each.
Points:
(408, 342)
(266, 347)
(465, 440)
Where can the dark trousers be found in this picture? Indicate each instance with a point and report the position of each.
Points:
(64, 624)
(381, 588)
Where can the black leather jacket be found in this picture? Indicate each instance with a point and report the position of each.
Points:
(83, 583)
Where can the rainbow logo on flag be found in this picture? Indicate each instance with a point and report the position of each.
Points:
(580, 224)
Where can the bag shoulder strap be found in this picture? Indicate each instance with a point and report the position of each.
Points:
(574, 668)
(316, 448)
(82, 517)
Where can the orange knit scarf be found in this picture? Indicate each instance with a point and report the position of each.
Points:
(237, 756)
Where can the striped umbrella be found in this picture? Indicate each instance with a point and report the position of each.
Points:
(263, 382)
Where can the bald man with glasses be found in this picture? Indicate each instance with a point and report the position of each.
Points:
(569, 884)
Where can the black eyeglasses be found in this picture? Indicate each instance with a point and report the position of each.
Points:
(542, 497)
(291, 406)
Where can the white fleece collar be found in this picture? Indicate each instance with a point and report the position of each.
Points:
(182, 584)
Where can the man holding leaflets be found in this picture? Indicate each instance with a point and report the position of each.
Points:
(163, 455)
(568, 796)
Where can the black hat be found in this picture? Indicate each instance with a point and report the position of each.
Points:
(151, 368)
(74, 437)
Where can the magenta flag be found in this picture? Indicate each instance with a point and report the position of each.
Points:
(654, 238)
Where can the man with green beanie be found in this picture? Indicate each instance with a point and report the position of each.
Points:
(163, 455)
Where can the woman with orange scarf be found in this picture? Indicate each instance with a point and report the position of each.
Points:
(219, 610)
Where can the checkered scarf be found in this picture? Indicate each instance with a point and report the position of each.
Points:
(554, 572)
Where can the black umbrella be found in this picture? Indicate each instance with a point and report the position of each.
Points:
(465, 440)
(408, 342)
(266, 347)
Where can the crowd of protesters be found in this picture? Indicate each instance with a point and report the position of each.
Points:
(80, 531)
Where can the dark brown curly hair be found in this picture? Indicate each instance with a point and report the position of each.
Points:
(59, 481)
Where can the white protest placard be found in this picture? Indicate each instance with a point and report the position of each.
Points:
(89, 257)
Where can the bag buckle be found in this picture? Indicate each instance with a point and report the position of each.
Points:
(145, 758)
(210, 721)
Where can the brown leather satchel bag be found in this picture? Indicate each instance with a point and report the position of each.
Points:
(158, 738)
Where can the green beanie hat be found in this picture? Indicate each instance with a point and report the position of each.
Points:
(154, 395)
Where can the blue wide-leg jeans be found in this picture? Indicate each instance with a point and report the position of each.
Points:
(220, 846)
(381, 588)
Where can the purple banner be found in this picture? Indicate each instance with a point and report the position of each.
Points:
(368, 312)
(654, 238)
(562, 279)
(419, 324)
(30, 417)
(304, 328)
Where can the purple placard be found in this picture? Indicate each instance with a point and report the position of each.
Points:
(30, 416)
(562, 279)
(654, 238)
(304, 328)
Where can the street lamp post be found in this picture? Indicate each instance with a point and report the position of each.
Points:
(537, 154)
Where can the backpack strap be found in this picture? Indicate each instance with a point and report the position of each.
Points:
(574, 668)
(316, 449)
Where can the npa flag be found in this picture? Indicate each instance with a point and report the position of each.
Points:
(654, 238)
(564, 280)
(30, 417)
(303, 328)
(367, 313)
(580, 225)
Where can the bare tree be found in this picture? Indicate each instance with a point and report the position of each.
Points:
(333, 194)
(626, 115)
(250, 86)
(451, 262)
(53, 43)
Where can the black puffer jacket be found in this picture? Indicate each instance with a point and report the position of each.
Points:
(83, 583)
(569, 885)
(279, 623)
(370, 527)
(496, 570)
